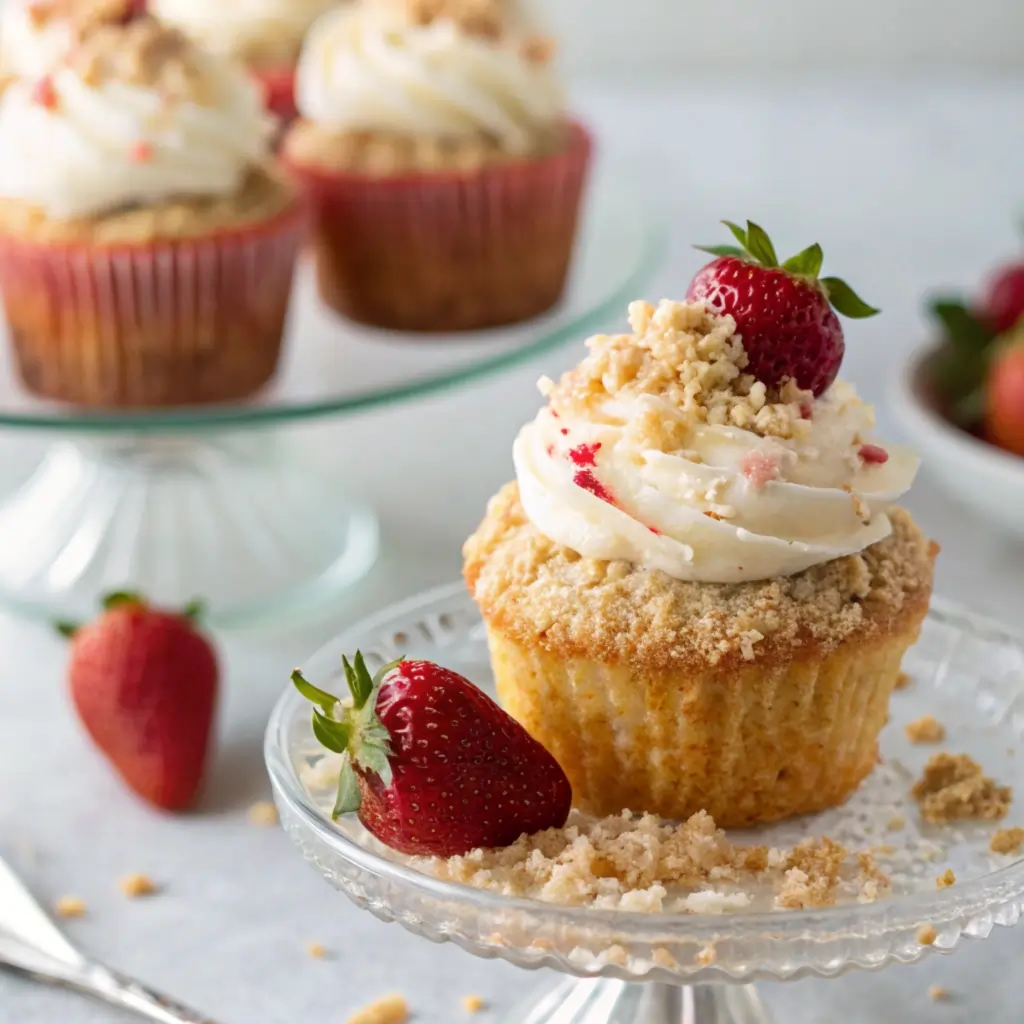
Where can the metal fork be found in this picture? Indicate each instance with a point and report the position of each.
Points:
(32, 945)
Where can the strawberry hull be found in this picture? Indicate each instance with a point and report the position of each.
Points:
(449, 250)
(172, 322)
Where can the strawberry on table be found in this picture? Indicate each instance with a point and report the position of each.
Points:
(144, 682)
(783, 312)
(431, 764)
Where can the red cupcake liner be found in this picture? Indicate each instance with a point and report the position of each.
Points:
(169, 322)
(449, 250)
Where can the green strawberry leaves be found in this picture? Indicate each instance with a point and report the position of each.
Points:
(352, 728)
(757, 247)
(961, 368)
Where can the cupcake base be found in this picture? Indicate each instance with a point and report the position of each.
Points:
(747, 745)
(448, 250)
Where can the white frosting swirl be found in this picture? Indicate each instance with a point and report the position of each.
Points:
(87, 149)
(236, 28)
(363, 68)
(823, 499)
(30, 47)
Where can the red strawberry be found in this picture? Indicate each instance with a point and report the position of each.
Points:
(144, 683)
(1004, 400)
(1002, 301)
(433, 765)
(783, 313)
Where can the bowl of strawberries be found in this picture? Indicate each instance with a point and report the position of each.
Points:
(961, 399)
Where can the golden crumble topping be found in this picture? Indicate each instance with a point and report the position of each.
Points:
(694, 361)
(70, 906)
(946, 879)
(903, 680)
(938, 994)
(926, 729)
(538, 592)
(81, 15)
(317, 950)
(389, 1010)
(628, 863)
(484, 18)
(1007, 840)
(386, 154)
(926, 935)
(473, 1004)
(954, 788)
(136, 886)
(708, 955)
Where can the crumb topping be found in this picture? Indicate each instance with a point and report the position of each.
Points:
(539, 592)
(379, 154)
(1007, 840)
(81, 15)
(136, 886)
(903, 680)
(483, 18)
(708, 955)
(938, 994)
(946, 879)
(70, 906)
(473, 1004)
(389, 1010)
(694, 361)
(629, 863)
(954, 788)
(264, 813)
(926, 729)
(317, 950)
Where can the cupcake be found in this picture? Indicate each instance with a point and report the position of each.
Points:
(698, 592)
(36, 35)
(146, 250)
(445, 176)
(265, 35)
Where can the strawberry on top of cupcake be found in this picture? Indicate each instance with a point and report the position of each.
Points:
(36, 35)
(146, 162)
(714, 443)
(445, 172)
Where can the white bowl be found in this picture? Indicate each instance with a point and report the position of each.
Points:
(978, 475)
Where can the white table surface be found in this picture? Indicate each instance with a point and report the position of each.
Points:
(908, 186)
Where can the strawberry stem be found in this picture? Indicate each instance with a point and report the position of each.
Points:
(756, 247)
(67, 629)
(119, 598)
(195, 610)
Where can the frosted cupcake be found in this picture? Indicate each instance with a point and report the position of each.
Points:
(264, 35)
(446, 176)
(36, 35)
(146, 251)
(698, 593)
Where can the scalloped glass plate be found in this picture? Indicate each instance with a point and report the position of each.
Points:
(966, 671)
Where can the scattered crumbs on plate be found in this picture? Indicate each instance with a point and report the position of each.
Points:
(938, 994)
(70, 906)
(1007, 840)
(927, 729)
(954, 787)
(946, 879)
(708, 955)
(926, 935)
(895, 823)
(473, 1004)
(263, 813)
(903, 680)
(317, 951)
(389, 1010)
(136, 886)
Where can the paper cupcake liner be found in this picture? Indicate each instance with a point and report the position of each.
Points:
(154, 324)
(450, 250)
(748, 746)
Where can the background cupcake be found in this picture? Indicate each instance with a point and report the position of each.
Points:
(265, 35)
(697, 595)
(146, 252)
(445, 175)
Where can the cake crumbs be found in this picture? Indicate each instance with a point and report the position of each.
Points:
(896, 823)
(263, 813)
(473, 1004)
(927, 729)
(938, 994)
(389, 1010)
(136, 886)
(317, 951)
(903, 680)
(707, 956)
(1007, 840)
(661, 957)
(926, 935)
(70, 906)
(946, 879)
(954, 787)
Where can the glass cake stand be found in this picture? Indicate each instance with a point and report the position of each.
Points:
(217, 501)
(634, 968)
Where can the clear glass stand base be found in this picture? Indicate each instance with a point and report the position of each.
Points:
(608, 1001)
(243, 522)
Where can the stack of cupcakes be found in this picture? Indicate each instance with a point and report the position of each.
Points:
(445, 175)
(147, 246)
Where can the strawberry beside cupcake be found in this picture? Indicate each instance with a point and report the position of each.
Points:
(147, 247)
(445, 173)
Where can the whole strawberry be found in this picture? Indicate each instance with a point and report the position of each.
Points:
(1002, 300)
(784, 313)
(1004, 399)
(433, 766)
(144, 683)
